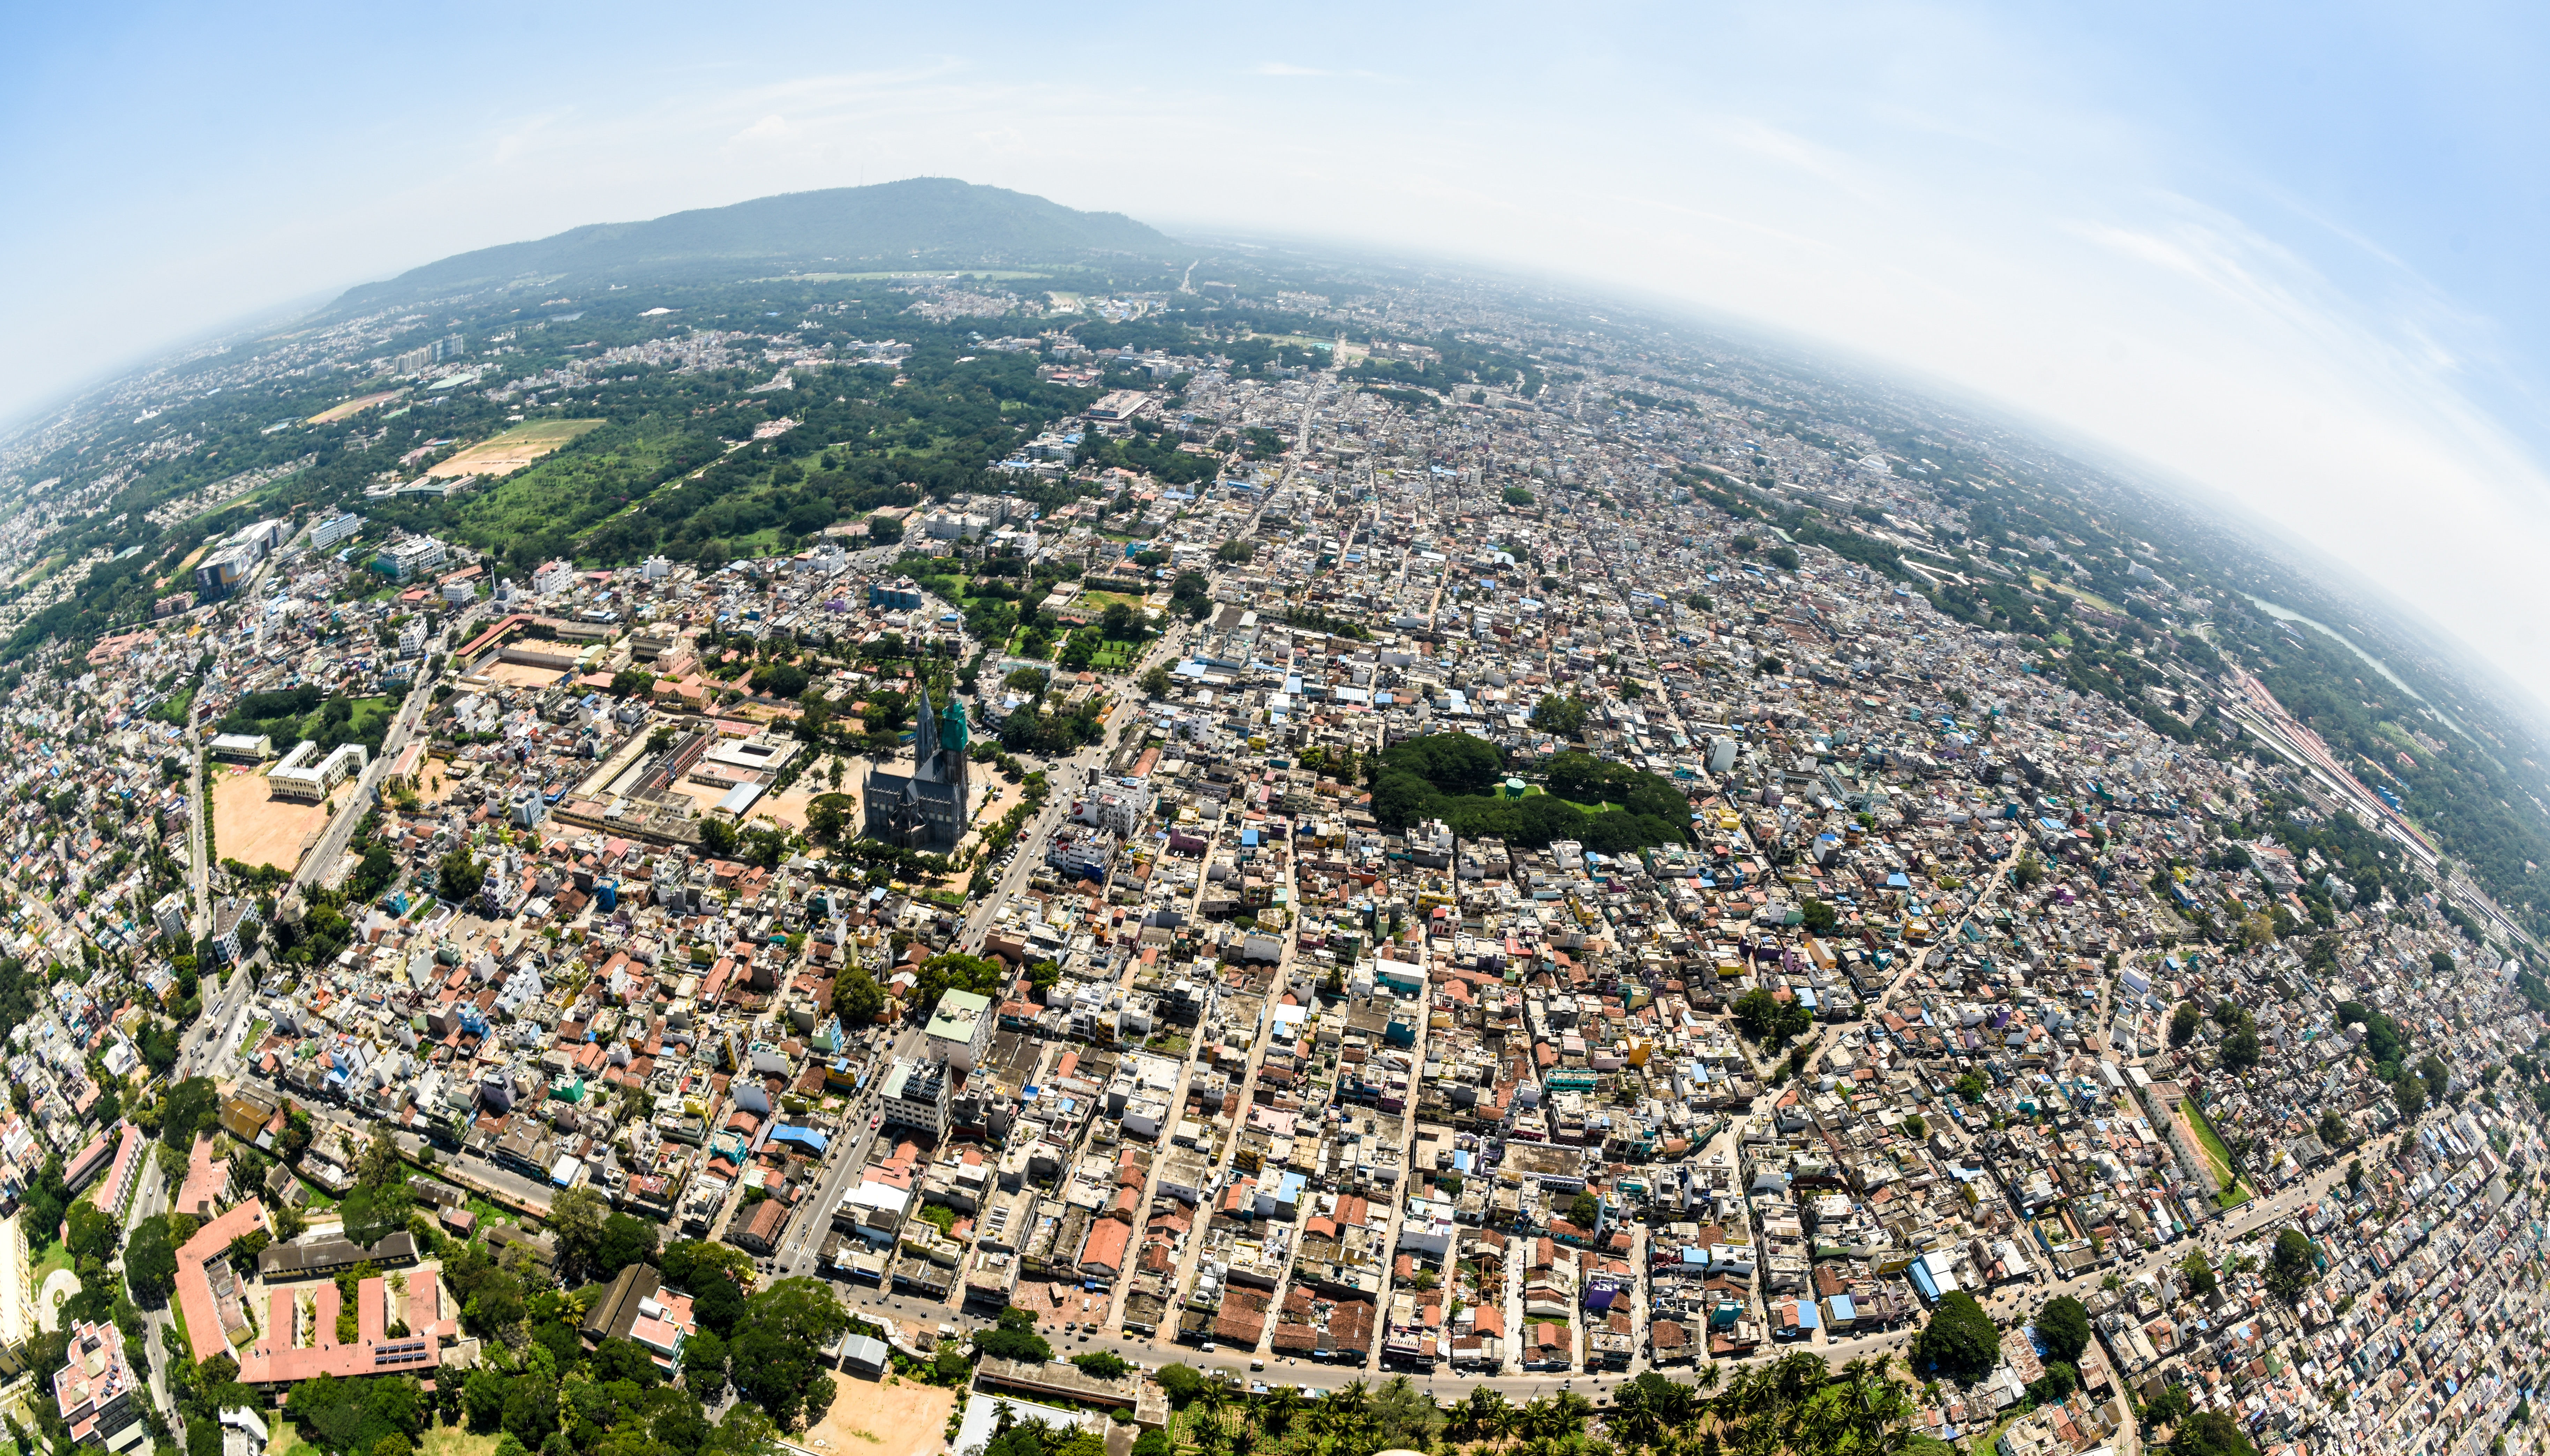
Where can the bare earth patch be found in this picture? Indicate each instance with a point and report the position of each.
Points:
(354, 407)
(434, 782)
(790, 808)
(899, 1419)
(514, 448)
(253, 827)
(520, 674)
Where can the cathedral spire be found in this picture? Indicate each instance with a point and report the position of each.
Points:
(924, 736)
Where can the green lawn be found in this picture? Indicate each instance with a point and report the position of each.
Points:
(567, 493)
(56, 1256)
(365, 711)
(449, 1440)
(2215, 1154)
(1589, 806)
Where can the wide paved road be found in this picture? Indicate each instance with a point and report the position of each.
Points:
(1066, 780)
(199, 793)
(323, 857)
(801, 1245)
(204, 1049)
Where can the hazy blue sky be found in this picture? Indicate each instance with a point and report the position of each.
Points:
(2290, 252)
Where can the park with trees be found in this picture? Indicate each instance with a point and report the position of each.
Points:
(1796, 1405)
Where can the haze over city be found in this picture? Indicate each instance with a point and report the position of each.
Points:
(2289, 262)
(1622, 731)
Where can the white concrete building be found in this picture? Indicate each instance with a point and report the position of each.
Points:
(299, 777)
(915, 1095)
(960, 1028)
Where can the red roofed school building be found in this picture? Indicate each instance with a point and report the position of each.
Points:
(277, 1317)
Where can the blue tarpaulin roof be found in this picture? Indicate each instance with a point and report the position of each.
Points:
(807, 1136)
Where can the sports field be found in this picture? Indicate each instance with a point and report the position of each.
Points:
(354, 407)
(521, 674)
(514, 448)
(253, 827)
(891, 1418)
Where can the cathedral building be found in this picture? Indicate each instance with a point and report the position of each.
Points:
(929, 808)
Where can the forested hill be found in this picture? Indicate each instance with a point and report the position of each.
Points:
(921, 219)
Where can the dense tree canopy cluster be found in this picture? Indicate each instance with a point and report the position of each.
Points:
(1453, 776)
(1960, 1341)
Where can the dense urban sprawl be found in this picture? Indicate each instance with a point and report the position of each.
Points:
(1529, 884)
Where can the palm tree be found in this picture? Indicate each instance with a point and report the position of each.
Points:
(1349, 1411)
(1328, 1423)
(1879, 1415)
(1633, 1419)
(1214, 1397)
(1485, 1413)
(1548, 1418)
(1404, 1414)
(1278, 1407)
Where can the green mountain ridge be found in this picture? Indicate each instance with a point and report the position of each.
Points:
(934, 221)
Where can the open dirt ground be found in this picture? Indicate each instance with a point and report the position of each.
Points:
(791, 807)
(253, 827)
(889, 1420)
(514, 448)
(354, 407)
(433, 781)
(520, 674)
(993, 800)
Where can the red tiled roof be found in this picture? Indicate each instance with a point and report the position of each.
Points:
(195, 1288)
